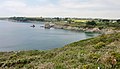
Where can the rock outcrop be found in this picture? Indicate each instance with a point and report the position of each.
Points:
(47, 26)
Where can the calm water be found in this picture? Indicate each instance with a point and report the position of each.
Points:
(16, 36)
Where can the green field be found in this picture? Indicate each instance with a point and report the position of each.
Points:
(78, 21)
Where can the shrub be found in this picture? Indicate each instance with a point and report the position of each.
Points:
(91, 23)
(94, 56)
(99, 45)
(59, 67)
(85, 66)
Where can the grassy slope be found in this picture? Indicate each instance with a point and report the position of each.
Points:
(101, 51)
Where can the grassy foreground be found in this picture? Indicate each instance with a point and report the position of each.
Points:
(102, 51)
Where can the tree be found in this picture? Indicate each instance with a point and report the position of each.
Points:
(69, 21)
(105, 20)
(118, 20)
(91, 23)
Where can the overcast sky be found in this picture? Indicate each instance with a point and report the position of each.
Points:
(62, 8)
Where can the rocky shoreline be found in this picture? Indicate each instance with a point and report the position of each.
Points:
(96, 30)
(67, 27)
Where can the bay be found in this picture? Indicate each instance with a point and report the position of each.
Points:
(17, 36)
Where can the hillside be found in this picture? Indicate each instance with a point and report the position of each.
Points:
(102, 51)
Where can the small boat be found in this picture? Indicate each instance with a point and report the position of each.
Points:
(32, 26)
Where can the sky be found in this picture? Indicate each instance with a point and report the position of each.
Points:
(61, 8)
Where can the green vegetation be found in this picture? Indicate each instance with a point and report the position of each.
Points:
(102, 51)
(78, 21)
(84, 23)
(99, 45)
(26, 19)
(93, 23)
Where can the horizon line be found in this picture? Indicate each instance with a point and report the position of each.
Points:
(61, 17)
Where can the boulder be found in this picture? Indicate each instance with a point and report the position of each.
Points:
(47, 26)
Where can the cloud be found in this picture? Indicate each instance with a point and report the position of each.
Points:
(72, 8)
